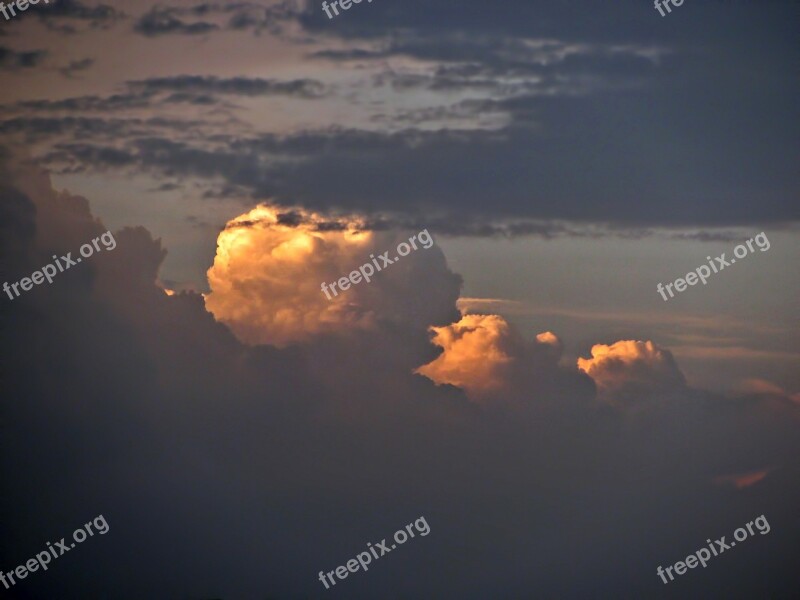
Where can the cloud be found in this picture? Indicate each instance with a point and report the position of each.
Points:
(761, 386)
(76, 66)
(741, 481)
(501, 67)
(78, 104)
(367, 171)
(630, 369)
(489, 359)
(86, 156)
(243, 86)
(162, 21)
(13, 60)
(532, 136)
(152, 94)
(590, 90)
(63, 15)
(477, 353)
(110, 385)
(209, 17)
(567, 112)
(266, 281)
(550, 340)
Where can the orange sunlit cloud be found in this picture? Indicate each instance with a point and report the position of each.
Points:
(265, 285)
(477, 352)
(482, 354)
(548, 337)
(266, 278)
(640, 367)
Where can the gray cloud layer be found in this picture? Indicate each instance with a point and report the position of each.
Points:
(609, 115)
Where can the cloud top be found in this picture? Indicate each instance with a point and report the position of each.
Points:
(630, 368)
(477, 353)
(266, 281)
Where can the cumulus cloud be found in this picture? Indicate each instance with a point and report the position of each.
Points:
(630, 369)
(551, 343)
(266, 281)
(277, 458)
(489, 359)
(549, 338)
(477, 353)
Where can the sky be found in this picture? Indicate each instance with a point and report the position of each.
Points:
(521, 382)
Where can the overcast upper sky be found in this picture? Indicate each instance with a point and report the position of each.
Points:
(566, 156)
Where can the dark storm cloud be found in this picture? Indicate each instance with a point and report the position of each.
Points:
(189, 98)
(240, 163)
(503, 67)
(78, 104)
(149, 93)
(256, 17)
(13, 60)
(672, 144)
(619, 22)
(161, 21)
(609, 177)
(613, 119)
(64, 15)
(411, 118)
(285, 462)
(74, 9)
(209, 17)
(37, 128)
(53, 128)
(545, 73)
(540, 175)
(493, 57)
(244, 86)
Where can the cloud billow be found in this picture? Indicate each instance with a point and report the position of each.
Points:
(113, 385)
